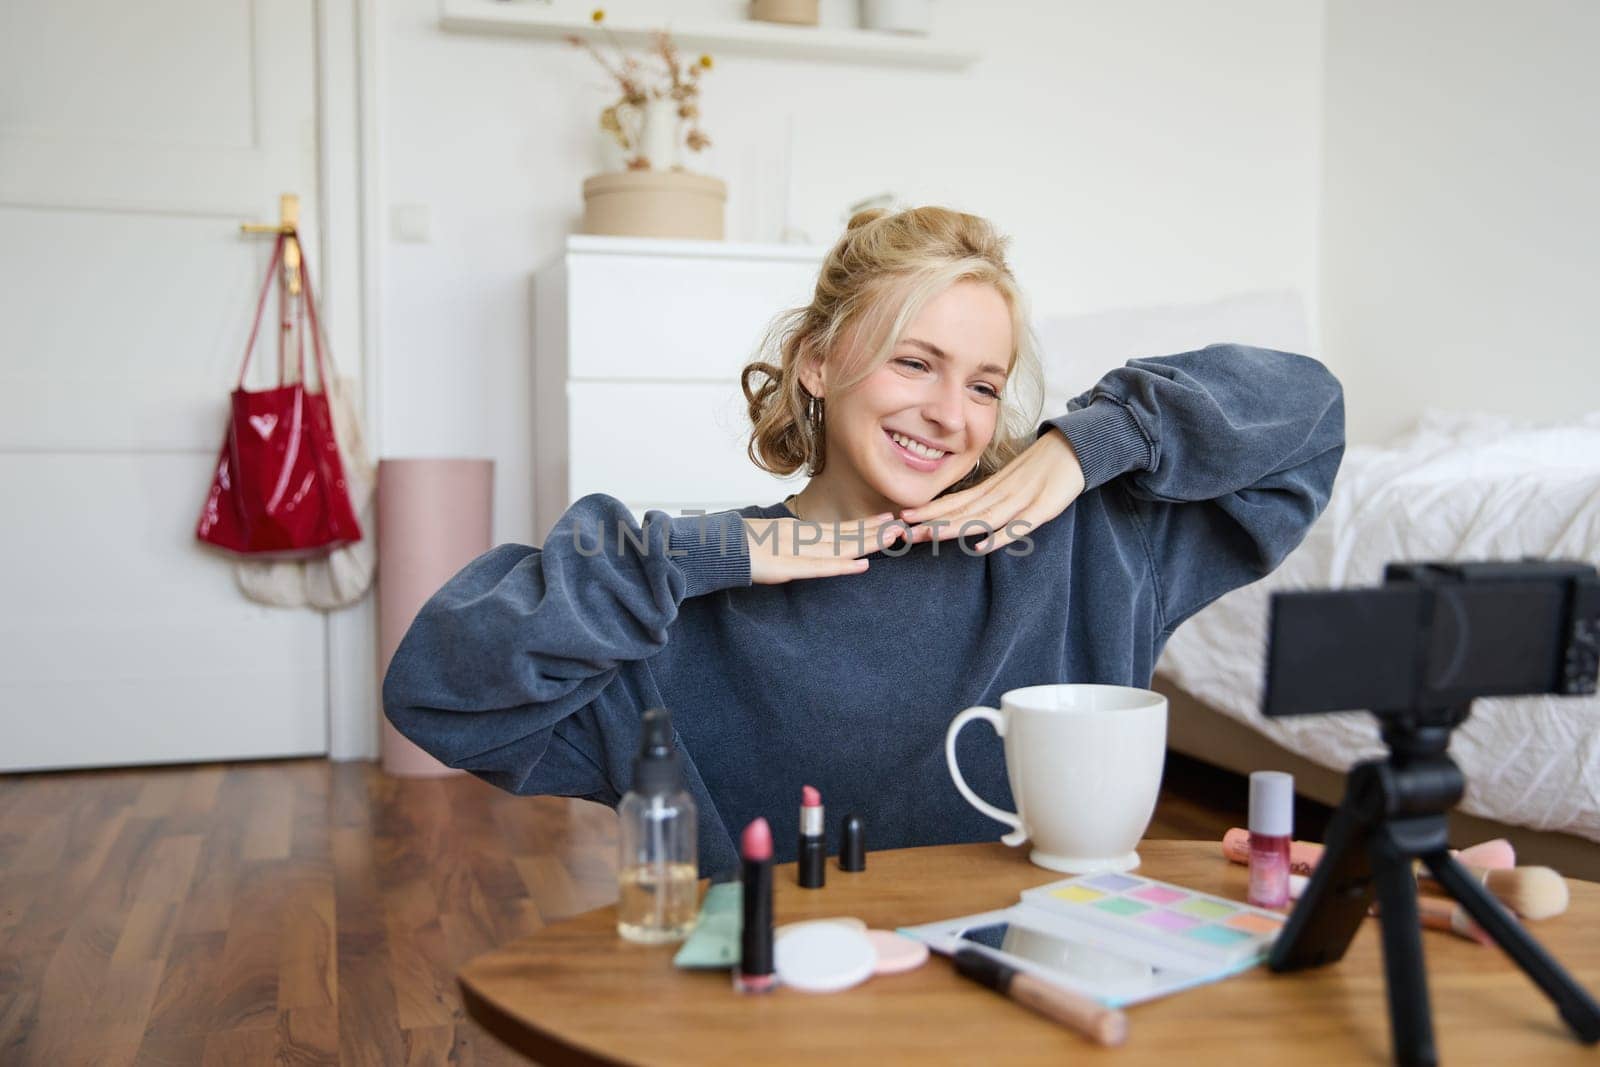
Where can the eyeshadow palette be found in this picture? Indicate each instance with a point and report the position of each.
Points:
(1221, 930)
(1119, 938)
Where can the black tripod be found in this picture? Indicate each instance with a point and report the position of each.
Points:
(1393, 812)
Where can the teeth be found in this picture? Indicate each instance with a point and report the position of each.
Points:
(915, 446)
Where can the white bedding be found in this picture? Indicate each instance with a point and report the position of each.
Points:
(1458, 487)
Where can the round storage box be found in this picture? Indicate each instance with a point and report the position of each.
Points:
(654, 203)
(794, 12)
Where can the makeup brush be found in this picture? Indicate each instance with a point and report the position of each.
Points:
(1303, 855)
(1436, 913)
(1496, 855)
(1439, 913)
(1531, 892)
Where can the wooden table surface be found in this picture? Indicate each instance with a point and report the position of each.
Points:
(576, 993)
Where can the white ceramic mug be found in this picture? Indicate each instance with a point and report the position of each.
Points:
(1084, 762)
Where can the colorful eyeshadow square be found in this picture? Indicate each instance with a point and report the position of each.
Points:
(1114, 883)
(1158, 894)
(1077, 894)
(1255, 924)
(1205, 909)
(1122, 906)
(1170, 921)
(1218, 935)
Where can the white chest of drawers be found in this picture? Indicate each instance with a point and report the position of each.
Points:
(638, 345)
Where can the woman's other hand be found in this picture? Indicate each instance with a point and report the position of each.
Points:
(782, 550)
(1026, 493)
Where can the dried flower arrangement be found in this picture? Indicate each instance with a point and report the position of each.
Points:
(679, 82)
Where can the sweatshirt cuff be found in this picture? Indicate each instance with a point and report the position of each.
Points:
(1106, 438)
(711, 550)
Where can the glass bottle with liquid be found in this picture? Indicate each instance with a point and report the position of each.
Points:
(658, 869)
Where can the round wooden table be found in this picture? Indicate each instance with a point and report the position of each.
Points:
(575, 993)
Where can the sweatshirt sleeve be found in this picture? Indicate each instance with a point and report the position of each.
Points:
(1224, 456)
(497, 664)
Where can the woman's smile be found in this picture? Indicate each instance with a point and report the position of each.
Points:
(913, 453)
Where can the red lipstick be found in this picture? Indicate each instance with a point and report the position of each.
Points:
(813, 855)
(754, 973)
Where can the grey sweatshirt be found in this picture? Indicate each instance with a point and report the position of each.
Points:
(531, 667)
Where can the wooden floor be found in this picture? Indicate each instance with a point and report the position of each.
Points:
(299, 912)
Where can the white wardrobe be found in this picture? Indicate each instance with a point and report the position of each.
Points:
(638, 345)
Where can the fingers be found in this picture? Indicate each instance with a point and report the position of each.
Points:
(983, 516)
(829, 540)
(1016, 529)
(801, 567)
(777, 571)
(1033, 488)
(782, 550)
(945, 506)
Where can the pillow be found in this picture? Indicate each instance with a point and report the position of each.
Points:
(1467, 426)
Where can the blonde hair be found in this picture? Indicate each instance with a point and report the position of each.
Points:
(874, 281)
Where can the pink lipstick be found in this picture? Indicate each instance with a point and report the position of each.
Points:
(754, 973)
(813, 865)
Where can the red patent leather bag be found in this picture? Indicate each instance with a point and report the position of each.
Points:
(279, 488)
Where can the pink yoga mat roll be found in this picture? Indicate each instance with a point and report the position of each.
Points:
(434, 517)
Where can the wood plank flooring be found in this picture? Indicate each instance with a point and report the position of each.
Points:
(297, 912)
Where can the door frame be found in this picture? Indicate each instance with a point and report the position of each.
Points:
(348, 158)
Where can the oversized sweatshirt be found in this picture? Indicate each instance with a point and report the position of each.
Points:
(532, 666)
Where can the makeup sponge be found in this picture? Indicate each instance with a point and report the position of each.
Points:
(824, 958)
(788, 928)
(896, 952)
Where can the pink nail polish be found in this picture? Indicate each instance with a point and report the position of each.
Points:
(1271, 826)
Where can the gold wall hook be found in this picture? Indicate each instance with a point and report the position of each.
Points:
(288, 223)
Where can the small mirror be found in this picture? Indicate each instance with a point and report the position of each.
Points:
(1070, 957)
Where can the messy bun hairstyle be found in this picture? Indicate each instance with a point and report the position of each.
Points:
(872, 284)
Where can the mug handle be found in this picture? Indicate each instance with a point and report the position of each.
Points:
(1018, 833)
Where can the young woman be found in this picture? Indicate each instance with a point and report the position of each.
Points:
(814, 640)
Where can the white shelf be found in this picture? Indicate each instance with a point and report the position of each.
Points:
(748, 38)
(604, 245)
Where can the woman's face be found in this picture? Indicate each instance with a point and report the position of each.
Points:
(919, 423)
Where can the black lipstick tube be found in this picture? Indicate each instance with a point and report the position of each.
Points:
(754, 973)
(812, 868)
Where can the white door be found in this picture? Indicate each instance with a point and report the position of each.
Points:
(134, 139)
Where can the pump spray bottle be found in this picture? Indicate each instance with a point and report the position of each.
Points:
(658, 869)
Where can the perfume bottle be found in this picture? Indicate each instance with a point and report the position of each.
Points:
(658, 869)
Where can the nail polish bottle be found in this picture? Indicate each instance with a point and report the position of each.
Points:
(658, 868)
(1271, 827)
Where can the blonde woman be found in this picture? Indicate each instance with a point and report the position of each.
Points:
(945, 548)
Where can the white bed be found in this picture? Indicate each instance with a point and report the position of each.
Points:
(1456, 488)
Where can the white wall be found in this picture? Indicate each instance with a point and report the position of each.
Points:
(1461, 232)
(1140, 152)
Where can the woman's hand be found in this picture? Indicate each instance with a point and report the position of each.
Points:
(782, 550)
(1029, 491)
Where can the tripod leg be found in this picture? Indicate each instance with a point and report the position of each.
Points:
(1575, 1005)
(1410, 1018)
(1334, 904)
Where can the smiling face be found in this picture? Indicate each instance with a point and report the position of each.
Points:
(920, 422)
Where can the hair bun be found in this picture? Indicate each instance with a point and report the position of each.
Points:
(861, 218)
